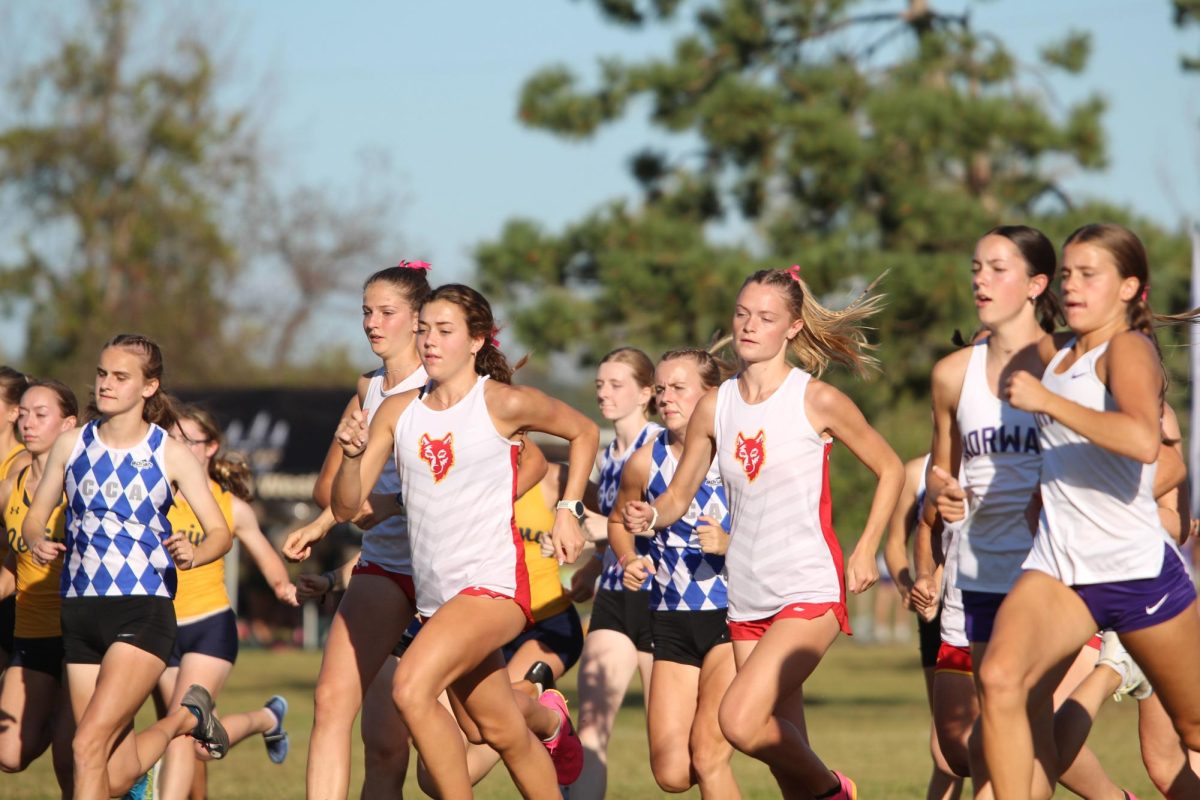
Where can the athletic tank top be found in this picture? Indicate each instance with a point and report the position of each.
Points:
(1001, 466)
(459, 478)
(954, 619)
(535, 519)
(7, 463)
(686, 578)
(201, 590)
(611, 467)
(38, 600)
(386, 544)
(1099, 519)
(775, 467)
(117, 502)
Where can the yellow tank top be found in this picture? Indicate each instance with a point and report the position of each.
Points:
(533, 519)
(201, 590)
(38, 590)
(7, 463)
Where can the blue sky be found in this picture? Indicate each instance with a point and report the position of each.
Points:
(433, 87)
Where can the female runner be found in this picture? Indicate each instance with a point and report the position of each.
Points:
(119, 574)
(1000, 461)
(33, 699)
(693, 659)
(357, 668)
(1101, 558)
(618, 641)
(771, 427)
(453, 450)
(206, 644)
(12, 458)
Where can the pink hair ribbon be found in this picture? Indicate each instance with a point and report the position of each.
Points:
(424, 266)
(1145, 293)
(794, 272)
(492, 340)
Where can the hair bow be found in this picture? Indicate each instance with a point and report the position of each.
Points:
(1145, 292)
(424, 266)
(492, 340)
(794, 272)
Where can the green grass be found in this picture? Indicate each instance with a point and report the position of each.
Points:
(866, 717)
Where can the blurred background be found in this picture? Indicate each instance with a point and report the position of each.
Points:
(223, 176)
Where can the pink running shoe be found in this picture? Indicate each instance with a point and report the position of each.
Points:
(847, 790)
(565, 749)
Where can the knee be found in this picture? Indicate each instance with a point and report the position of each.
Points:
(408, 699)
(388, 752)
(88, 748)
(1001, 684)
(331, 701)
(672, 771)
(502, 738)
(740, 725)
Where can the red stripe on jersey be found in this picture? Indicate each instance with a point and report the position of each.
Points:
(831, 540)
(522, 594)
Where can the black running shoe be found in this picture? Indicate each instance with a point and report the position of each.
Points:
(208, 731)
(541, 676)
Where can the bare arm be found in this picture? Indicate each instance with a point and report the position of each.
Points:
(323, 488)
(1133, 373)
(46, 498)
(192, 481)
(946, 445)
(895, 547)
(699, 448)
(633, 480)
(833, 412)
(365, 451)
(246, 529)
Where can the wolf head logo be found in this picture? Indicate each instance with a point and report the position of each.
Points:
(438, 454)
(752, 452)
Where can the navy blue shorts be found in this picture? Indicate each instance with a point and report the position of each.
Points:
(1124, 606)
(562, 634)
(215, 636)
(979, 613)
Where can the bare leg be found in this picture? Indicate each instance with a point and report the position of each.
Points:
(605, 669)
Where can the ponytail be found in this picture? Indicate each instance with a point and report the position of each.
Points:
(827, 336)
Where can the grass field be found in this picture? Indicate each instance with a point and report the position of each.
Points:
(866, 716)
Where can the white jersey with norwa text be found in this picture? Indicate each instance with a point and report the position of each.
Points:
(459, 479)
(386, 544)
(775, 468)
(1099, 520)
(1001, 466)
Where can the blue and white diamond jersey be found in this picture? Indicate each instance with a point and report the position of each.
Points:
(686, 578)
(117, 502)
(611, 467)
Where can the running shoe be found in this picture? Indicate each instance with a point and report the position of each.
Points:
(142, 789)
(847, 789)
(565, 749)
(1114, 656)
(540, 675)
(277, 738)
(208, 731)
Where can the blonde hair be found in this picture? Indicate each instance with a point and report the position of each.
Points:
(642, 367)
(827, 336)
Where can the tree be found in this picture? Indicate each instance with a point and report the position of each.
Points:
(128, 167)
(841, 135)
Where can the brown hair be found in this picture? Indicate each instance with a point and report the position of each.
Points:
(231, 472)
(68, 406)
(827, 335)
(1039, 256)
(480, 325)
(641, 366)
(712, 369)
(12, 385)
(410, 278)
(1129, 255)
(159, 408)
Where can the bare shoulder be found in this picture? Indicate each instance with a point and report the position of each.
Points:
(506, 400)
(393, 405)
(364, 381)
(824, 397)
(950, 371)
(1132, 344)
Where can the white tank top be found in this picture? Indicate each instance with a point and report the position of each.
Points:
(954, 621)
(775, 468)
(386, 544)
(1099, 520)
(459, 479)
(1001, 465)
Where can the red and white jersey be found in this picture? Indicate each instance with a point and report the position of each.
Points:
(459, 480)
(386, 544)
(775, 468)
(1099, 518)
(1001, 467)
